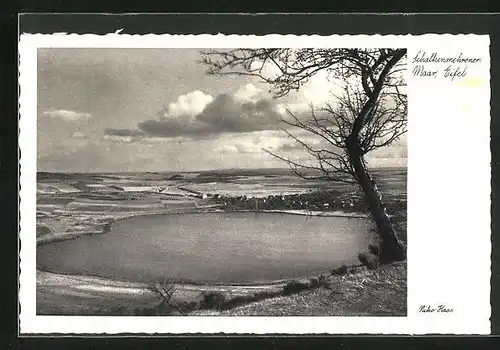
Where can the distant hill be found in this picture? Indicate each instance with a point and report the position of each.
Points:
(41, 175)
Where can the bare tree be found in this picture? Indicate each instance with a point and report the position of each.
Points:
(370, 113)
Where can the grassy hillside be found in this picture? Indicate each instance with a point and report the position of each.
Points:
(380, 292)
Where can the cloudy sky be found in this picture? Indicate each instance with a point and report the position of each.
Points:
(107, 110)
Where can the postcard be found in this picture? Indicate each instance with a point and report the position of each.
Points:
(278, 184)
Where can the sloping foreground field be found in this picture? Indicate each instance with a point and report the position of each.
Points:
(85, 295)
(359, 292)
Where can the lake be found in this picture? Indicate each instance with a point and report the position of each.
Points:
(232, 248)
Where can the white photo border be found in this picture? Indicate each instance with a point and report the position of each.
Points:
(448, 193)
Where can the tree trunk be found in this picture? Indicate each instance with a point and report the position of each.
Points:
(391, 249)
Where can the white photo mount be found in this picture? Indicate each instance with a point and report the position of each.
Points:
(449, 171)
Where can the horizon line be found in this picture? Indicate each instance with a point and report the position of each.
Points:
(191, 171)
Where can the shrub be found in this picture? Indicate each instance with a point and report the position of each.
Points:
(319, 281)
(189, 306)
(212, 300)
(294, 287)
(368, 260)
(342, 270)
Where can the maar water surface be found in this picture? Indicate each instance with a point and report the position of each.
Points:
(212, 248)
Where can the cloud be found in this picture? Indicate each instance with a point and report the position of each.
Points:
(226, 114)
(253, 142)
(119, 139)
(122, 135)
(267, 70)
(78, 135)
(197, 114)
(319, 88)
(250, 93)
(122, 132)
(387, 162)
(230, 149)
(396, 153)
(249, 108)
(190, 104)
(289, 147)
(67, 115)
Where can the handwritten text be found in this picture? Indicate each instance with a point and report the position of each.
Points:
(432, 65)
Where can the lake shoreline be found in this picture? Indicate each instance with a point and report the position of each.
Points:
(135, 294)
(54, 237)
(51, 284)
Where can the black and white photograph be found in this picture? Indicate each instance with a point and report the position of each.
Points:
(277, 184)
(232, 182)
